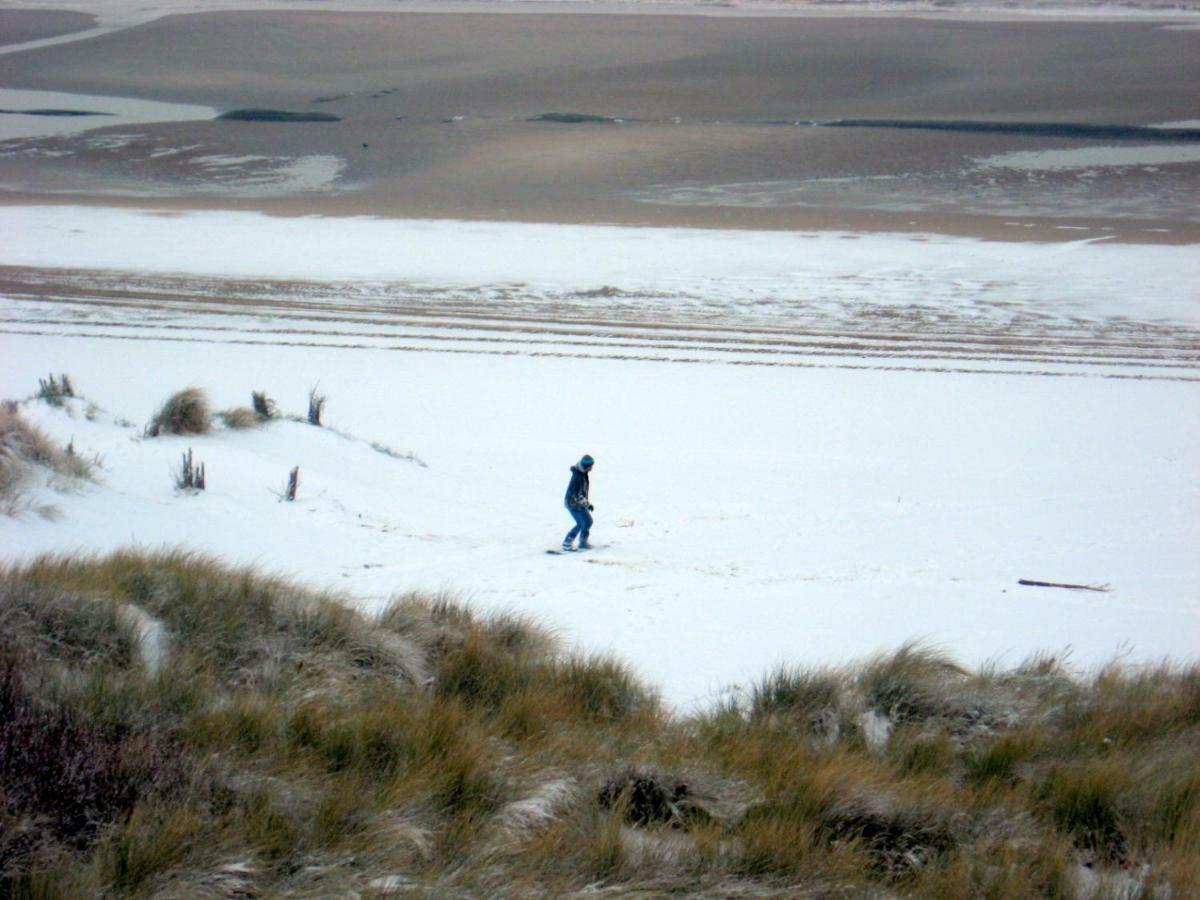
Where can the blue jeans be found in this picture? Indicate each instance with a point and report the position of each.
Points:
(583, 525)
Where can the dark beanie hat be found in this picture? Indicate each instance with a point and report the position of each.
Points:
(587, 462)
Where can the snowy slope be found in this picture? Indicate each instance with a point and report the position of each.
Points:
(811, 512)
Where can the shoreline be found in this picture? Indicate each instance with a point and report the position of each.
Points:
(1016, 230)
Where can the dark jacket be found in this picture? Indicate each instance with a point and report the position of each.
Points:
(577, 490)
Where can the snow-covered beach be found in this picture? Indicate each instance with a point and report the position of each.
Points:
(845, 386)
(810, 447)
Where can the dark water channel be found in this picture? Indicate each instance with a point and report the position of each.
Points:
(1029, 129)
(1077, 130)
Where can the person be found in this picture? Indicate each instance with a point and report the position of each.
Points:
(578, 505)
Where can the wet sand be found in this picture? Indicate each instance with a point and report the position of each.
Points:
(20, 25)
(435, 120)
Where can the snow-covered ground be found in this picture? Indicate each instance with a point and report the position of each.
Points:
(809, 446)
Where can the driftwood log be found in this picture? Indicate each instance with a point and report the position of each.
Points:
(1102, 588)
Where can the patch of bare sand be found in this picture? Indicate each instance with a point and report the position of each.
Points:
(124, 13)
(17, 26)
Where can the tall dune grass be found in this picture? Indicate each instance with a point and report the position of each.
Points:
(26, 451)
(272, 741)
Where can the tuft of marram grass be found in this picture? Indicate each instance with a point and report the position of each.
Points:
(184, 412)
(264, 407)
(54, 390)
(914, 683)
(316, 406)
(25, 448)
(808, 698)
(23, 441)
(286, 744)
(240, 418)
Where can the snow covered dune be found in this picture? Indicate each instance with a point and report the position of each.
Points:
(809, 447)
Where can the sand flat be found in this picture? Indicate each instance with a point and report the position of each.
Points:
(17, 26)
(435, 114)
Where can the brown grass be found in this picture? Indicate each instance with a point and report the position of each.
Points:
(288, 745)
(26, 450)
(240, 418)
(184, 412)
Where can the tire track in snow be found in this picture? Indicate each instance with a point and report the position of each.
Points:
(993, 337)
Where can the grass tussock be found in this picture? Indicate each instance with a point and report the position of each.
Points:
(239, 418)
(169, 725)
(54, 390)
(27, 452)
(316, 406)
(184, 412)
(262, 409)
(191, 475)
(263, 406)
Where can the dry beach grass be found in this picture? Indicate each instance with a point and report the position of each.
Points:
(27, 454)
(175, 725)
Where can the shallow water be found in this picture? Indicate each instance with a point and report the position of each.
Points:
(1087, 158)
(1077, 130)
(25, 113)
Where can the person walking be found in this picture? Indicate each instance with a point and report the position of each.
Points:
(578, 505)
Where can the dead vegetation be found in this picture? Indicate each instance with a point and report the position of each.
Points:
(284, 744)
(54, 390)
(316, 406)
(264, 407)
(239, 418)
(184, 412)
(192, 474)
(29, 459)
